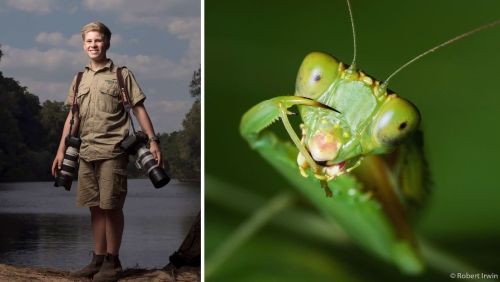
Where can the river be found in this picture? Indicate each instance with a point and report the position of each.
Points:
(40, 225)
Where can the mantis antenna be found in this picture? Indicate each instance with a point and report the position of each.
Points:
(446, 43)
(353, 64)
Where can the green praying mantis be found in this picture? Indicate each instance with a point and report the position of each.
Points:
(360, 142)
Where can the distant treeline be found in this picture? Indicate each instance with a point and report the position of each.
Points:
(30, 133)
(182, 149)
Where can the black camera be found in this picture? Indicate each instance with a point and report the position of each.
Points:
(64, 176)
(135, 144)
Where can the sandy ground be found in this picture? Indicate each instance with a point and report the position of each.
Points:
(18, 273)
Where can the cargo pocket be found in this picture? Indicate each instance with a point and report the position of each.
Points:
(119, 181)
(119, 189)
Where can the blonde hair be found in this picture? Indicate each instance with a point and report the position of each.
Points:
(99, 27)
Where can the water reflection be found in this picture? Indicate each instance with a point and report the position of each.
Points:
(42, 227)
(32, 239)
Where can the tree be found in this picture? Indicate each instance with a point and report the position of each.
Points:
(52, 117)
(191, 145)
(183, 148)
(195, 85)
(29, 132)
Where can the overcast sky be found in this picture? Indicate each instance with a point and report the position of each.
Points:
(159, 40)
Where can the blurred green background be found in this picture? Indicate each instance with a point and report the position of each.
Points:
(253, 50)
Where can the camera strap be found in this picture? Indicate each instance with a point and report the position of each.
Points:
(125, 95)
(74, 106)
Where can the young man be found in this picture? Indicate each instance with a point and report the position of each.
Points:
(102, 123)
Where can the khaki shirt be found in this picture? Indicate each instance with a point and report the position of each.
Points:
(103, 120)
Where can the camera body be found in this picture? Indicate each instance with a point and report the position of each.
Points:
(135, 144)
(64, 176)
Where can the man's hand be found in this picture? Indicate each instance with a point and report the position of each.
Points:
(56, 165)
(155, 150)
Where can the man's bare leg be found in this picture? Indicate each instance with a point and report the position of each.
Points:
(114, 230)
(98, 220)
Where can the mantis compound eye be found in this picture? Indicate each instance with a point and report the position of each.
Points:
(316, 74)
(396, 119)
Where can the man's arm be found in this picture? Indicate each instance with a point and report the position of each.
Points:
(142, 116)
(56, 164)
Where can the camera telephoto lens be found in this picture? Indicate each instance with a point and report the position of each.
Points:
(64, 181)
(157, 175)
(65, 175)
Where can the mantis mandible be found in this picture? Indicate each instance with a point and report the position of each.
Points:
(360, 142)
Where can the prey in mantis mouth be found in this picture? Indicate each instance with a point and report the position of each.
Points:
(324, 148)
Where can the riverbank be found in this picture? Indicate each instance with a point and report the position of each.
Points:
(25, 274)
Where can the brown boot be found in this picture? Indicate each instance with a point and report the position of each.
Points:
(91, 269)
(110, 270)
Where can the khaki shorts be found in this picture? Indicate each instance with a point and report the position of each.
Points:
(102, 183)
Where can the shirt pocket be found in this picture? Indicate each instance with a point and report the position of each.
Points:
(82, 98)
(109, 96)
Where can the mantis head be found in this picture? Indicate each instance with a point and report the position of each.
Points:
(370, 121)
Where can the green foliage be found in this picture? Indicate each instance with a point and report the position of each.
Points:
(182, 149)
(195, 85)
(52, 117)
(30, 133)
(192, 133)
